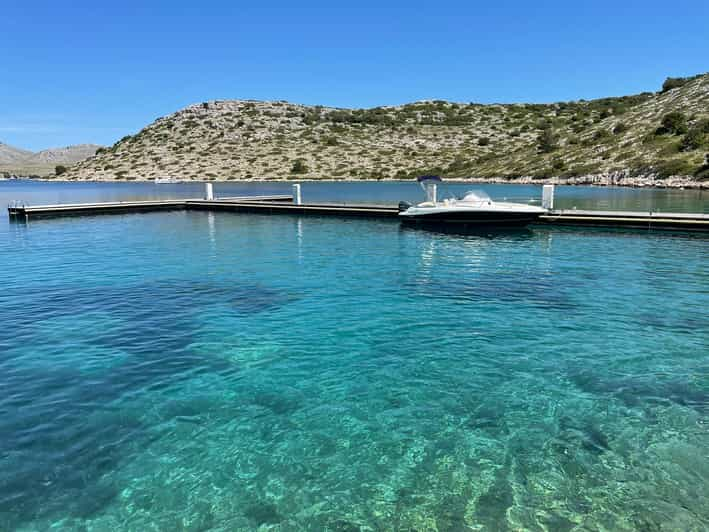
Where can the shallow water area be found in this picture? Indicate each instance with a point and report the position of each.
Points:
(221, 371)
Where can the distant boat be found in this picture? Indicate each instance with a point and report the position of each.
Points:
(166, 181)
(475, 208)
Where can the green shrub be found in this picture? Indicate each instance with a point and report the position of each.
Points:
(59, 169)
(702, 125)
(675, 83)
(485, 158)
(558, 164)
(547, 141)
(672, 167)
(299, 167)
(581, 170)
(542, 174)
(674, 123)
(457, 165)
(483, 141)
(693, 140)
(578, 127)
(601, 134)
(543, 124)
(619, 128)
(667, 150)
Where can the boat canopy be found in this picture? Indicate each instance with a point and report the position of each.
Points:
(423, 178)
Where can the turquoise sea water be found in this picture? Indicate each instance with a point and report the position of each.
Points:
(220, 371)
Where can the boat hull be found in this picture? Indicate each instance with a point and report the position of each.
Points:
(506, 219)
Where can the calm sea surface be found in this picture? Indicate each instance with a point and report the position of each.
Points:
(221, 371)
(599, 198)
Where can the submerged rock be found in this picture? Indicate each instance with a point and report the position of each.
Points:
(263, 512)
(643, 389)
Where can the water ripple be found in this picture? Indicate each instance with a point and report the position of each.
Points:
(218, 371)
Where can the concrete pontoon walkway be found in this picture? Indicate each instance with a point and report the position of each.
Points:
(283, 204)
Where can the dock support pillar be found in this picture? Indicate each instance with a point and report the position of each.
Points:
(548, 197)
(208, 192)
(296, 195)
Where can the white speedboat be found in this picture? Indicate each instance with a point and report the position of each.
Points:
(475, 208)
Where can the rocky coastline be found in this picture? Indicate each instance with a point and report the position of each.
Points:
(612, 179)
(609, 179)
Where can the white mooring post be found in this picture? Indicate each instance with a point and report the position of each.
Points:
(548, 197)
(296, 194)
(208, 191)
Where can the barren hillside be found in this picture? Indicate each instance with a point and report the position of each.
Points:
(657, 134)
(24, 162)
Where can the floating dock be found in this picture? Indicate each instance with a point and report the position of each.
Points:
(20, 211)
(272, 207)
(284, 204)
(74, 209)
(635, 220)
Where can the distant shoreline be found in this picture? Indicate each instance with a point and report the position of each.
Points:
(602, 180)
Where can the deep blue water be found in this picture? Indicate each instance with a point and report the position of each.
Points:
(220, 371)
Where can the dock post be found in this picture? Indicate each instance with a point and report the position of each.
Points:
(209, 192)
(548, 197)
(296, 195)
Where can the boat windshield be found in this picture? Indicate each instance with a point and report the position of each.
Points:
(476, 196)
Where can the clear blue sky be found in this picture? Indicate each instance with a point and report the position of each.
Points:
(78, 71)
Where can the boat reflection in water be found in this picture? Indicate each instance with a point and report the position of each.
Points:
(488, 231)
(475, 209)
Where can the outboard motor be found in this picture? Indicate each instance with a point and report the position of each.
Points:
(404, 205)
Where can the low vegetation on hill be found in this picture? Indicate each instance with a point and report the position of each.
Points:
(658, 134)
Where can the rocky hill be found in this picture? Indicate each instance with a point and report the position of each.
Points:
(10, 155)
(17, 161)
(629, 139)
(69, 154)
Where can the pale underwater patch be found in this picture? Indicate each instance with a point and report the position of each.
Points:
(233, 350)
